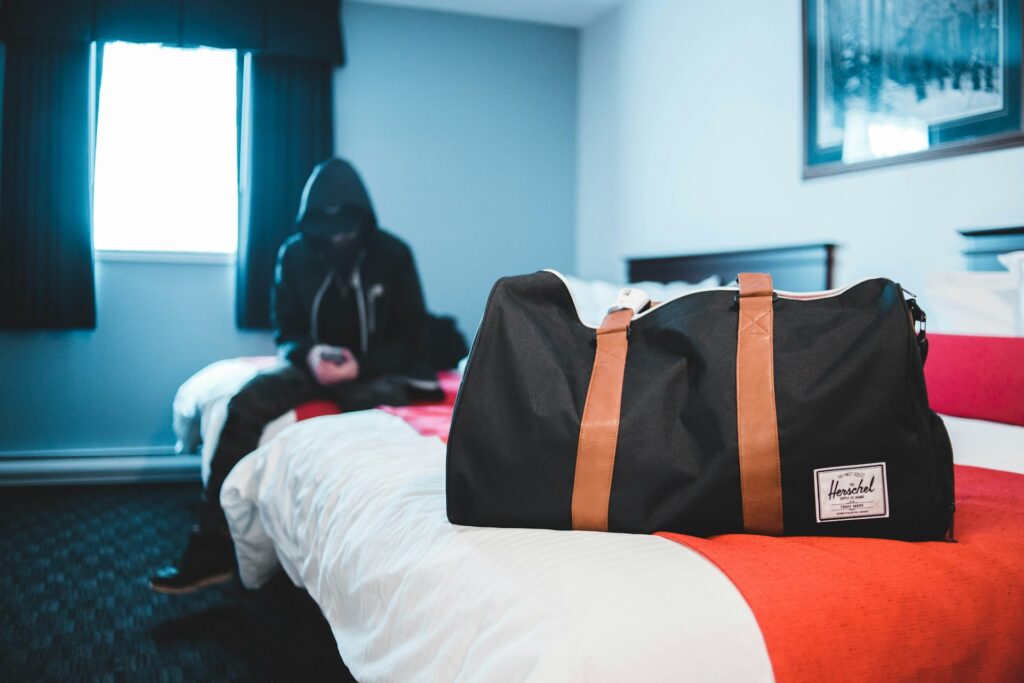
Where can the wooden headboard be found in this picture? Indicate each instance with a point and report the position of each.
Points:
(983, 246)
(807, 267)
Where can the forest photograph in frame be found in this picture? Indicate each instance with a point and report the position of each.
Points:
(894, 81)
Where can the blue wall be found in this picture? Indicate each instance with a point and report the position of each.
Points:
(157, 323)
(465, 130)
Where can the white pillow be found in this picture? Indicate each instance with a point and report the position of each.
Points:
(1014, 262)
(982, 303)
(594, 297)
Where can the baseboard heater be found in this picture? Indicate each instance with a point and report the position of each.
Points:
(97, 469)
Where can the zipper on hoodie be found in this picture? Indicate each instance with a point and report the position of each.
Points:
(357, 285)
(375, 293)
(314, 314)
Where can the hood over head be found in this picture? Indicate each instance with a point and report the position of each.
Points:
(334, 203)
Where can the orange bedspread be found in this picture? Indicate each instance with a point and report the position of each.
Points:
(871, 610)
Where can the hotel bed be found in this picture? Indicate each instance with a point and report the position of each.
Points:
(352, 508)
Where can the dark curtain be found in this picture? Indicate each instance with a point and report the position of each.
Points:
(291, 130)
(46, 267)
(295, 28)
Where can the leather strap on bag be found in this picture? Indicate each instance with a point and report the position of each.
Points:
(599, 428)
(757, 425)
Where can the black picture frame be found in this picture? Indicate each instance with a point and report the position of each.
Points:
(903, 61)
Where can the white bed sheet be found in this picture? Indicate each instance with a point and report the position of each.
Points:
(986, 444)
(353, 508)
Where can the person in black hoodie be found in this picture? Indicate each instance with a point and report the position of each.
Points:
(348, 314)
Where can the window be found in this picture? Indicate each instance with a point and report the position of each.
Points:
(166, 150)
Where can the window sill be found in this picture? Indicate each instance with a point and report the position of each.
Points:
(202, 258)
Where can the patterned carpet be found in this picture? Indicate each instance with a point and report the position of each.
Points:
(74, 602)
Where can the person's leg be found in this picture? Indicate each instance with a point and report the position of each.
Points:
(209, 557)
(264, 398)
(352, 396)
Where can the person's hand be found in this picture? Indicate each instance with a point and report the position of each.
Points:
(332, 365)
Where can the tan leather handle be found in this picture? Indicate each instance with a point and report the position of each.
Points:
(756, 420)
(599, 427)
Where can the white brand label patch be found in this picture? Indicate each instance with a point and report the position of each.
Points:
(854, 492)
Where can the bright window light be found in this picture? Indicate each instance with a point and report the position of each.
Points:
(166, 150)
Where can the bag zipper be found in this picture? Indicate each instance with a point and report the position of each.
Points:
(779, 293)
(926, 437)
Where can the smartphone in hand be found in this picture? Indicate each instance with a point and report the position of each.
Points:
(334, 355)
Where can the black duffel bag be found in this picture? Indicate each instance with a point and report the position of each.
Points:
(735, 409)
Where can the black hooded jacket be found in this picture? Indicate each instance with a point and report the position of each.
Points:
(363, 295)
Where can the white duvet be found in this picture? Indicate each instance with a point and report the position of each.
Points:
(201, 407)
(353, 508)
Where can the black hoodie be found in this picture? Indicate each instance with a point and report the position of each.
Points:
(363, 295)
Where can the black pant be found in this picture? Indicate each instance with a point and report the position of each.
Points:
(264, 398)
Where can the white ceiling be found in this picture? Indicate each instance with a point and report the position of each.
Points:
(558, 12)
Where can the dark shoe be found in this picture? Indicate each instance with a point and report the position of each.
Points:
(209, 559)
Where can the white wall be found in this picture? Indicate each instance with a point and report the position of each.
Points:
(464, 129)
(690, 140)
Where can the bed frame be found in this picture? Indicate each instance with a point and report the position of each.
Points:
(984, 245)
(807, 267)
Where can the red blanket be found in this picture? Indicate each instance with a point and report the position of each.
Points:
(429, 418)
(873, 610)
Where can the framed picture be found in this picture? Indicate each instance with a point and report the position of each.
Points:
(895, 81)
